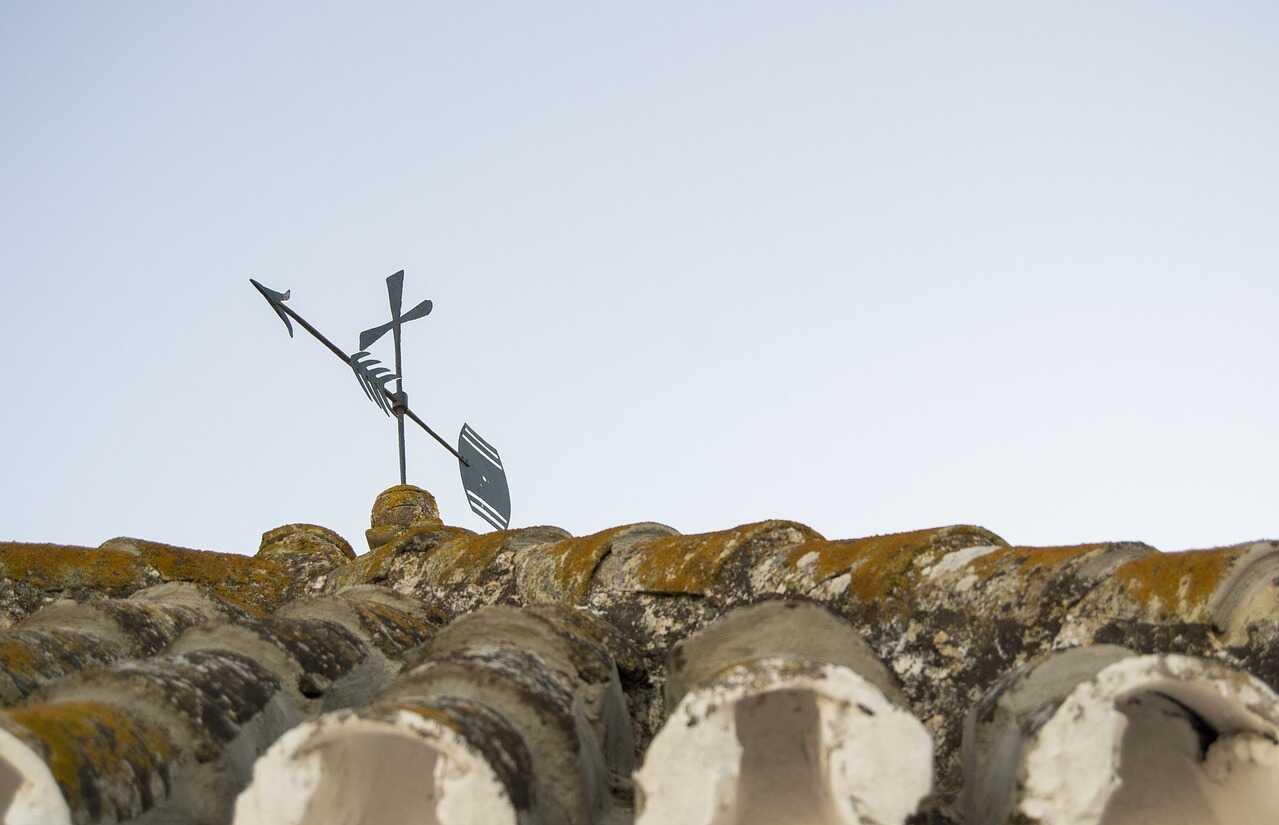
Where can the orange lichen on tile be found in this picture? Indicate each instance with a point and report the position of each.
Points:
(202, 566)
(258, 585)
(1176, 584)
(372, 566)
(826, 559)
(691, 564)
(63, 567)
(400, 630)
(576, 560)
(464, 559)
(304, 538)
(51, 651)
(404, 505)
(882, 564)
(85, 741)
(19, 656)
(122, 566)
(1029, 559)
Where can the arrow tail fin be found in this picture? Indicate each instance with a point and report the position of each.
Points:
(373, 378)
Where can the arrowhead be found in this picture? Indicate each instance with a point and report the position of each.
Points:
(276, 300)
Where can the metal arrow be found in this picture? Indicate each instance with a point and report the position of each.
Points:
(372, 377)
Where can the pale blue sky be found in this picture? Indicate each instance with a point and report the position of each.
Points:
(871, 266)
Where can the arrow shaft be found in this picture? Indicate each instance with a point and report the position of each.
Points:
(346, 359)
(436, 436)
(319, 336)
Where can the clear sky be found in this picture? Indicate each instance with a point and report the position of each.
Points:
(871, 266)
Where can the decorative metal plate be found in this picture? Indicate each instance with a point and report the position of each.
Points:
(483, 478)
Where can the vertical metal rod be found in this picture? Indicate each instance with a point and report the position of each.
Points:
(399, 421)
(399, 389)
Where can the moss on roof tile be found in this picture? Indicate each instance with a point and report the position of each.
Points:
(404, 505)
(123, 566)
(1031, 558)
(93, 748)
(373, 566)
(883, 564)
(1176, 585)
(464, 559)
(65, 567)
(691, 563)
(576, 559)
(29, 658)
(393, 630)
(257, 585)
(304, 538)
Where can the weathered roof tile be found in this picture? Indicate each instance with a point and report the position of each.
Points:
(538, 666)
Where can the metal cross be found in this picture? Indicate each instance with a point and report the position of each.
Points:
(394, 293)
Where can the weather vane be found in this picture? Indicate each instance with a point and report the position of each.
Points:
(483, 477)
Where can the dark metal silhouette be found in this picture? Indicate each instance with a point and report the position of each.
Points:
(483, 477)
(373, 378)
(394, 293)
